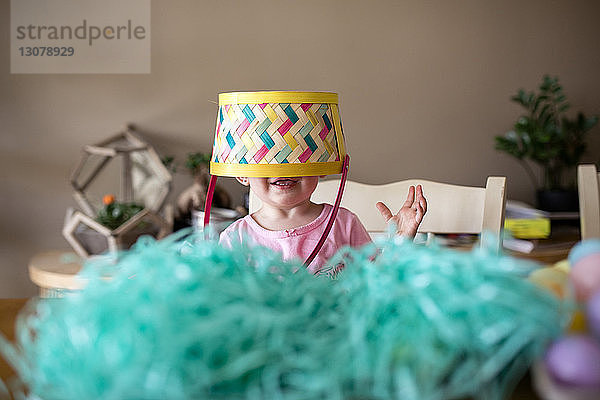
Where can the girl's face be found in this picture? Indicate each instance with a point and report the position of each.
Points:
(283, 192)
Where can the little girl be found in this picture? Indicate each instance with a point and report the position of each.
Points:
(290, 223)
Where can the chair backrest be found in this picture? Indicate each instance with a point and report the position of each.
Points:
(588, 184)
(450, 208)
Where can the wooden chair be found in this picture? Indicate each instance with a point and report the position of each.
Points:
(450, 209)
(588, 184)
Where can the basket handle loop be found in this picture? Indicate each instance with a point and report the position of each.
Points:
(333, 213)
(208, 203)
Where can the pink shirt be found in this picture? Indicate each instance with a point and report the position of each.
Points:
(347, 230)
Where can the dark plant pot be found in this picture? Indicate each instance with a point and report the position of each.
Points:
(558, 200)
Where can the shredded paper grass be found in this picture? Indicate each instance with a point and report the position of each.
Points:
(183, 318)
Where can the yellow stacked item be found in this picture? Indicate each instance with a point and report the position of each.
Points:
(534, 228)
(526, 222)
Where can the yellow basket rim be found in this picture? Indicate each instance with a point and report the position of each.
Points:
(277, 97)
(276, 170)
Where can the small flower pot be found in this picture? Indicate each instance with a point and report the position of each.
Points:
(558, 200)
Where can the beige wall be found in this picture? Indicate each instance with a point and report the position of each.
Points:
(424, 88)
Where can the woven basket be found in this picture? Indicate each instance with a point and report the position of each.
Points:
(271, 134)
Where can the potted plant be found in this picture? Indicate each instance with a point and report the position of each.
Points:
(190, 202)
(116, 225)
(114, 213)
(545, 136)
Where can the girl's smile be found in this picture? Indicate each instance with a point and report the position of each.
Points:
(284, 183)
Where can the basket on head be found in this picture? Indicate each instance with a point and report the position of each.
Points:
(273, 134)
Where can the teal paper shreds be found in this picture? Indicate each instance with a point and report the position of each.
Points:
(187, 319)
(183, 321)
(434, 323)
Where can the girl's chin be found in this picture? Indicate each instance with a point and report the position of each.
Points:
(289, 201)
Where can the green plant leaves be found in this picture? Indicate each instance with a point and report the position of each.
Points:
(116, 214)
(511, 145)
(544, 135)
(195, 161)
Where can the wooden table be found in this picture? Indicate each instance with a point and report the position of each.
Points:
(554, 249)
(55, 271)
(9, 308)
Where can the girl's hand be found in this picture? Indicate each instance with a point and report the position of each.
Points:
(411, 214)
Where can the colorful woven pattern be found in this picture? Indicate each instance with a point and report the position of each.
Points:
(260, 137)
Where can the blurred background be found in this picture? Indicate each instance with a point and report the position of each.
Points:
(424, 89)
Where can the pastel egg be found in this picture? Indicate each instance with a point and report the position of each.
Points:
(583, 249)
(553, 279)
(585, 276)
(578, 322)
(562, 265)
(592, 311)
(574, 360)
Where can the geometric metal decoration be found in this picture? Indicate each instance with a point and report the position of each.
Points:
(127, 165)
(144, 178)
